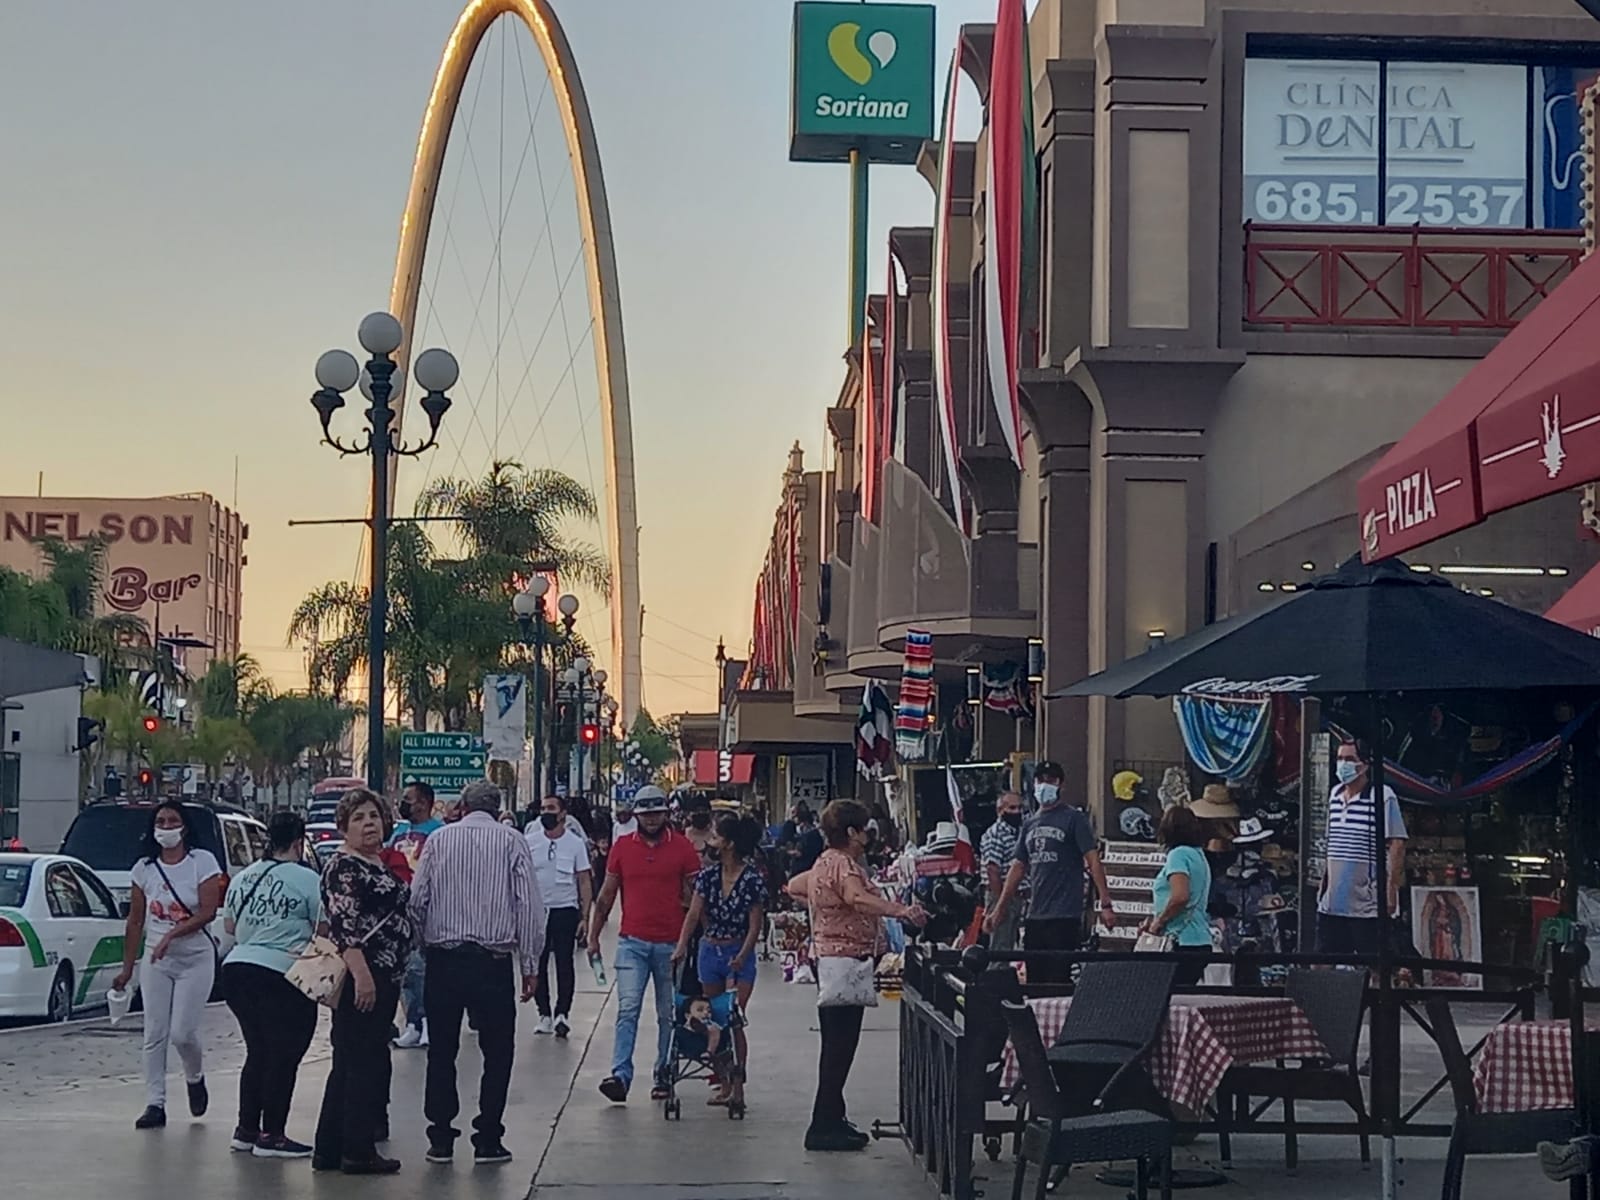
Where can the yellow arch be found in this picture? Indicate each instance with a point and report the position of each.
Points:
(594, 214)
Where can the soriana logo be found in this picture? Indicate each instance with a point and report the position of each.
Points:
(863, 81)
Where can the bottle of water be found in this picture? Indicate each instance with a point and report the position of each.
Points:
(598, 964)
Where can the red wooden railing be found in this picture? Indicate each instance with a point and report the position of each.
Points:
(1413, 277)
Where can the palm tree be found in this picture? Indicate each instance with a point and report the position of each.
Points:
(231, 687)
(32, 610)
(516, 519)
(284, 727)
(79, 572)
(216, 740)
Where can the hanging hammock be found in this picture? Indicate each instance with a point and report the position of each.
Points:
(1419, 789)
(1226, 738)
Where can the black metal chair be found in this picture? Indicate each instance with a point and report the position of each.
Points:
(1054, 1137)
(1333, 1002)
(1118, 1011)
(1475, 1132)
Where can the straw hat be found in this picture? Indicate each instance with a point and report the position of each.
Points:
(1215, 804)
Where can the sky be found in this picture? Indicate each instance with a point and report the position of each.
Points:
(200, 198)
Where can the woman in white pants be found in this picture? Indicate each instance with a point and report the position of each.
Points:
(176, 891)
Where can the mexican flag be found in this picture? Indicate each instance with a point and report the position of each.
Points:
(1011, 206)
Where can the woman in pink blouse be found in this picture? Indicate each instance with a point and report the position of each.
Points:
(845, 914)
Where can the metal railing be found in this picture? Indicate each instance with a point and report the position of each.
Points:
(1405, 277)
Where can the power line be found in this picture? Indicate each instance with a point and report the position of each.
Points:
(655, 616)
(704, 660)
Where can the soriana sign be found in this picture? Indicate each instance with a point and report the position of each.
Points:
(862, 80)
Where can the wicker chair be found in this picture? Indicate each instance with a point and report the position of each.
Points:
(1118, 1011)
(1332, 1001)
(1484, 1133)
(1055, 1137)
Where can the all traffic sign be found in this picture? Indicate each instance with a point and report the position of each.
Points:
(447, 762)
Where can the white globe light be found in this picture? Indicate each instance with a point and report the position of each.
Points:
(539, 585)
(437, 370)
(569, 676)
(580, 665)
(397, 385)
(568, 605)
(524, 604)
(380, 333)
(337, 371)
(600, 676)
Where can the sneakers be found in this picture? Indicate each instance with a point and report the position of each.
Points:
(612, 1088)
(491, 1155)
(154, 1117)
(1562, 1161)
(411, 1038)
(563, 1026)
(839, 1138)
(376, 1165)
(243, 1140)
(545, 1025)
(199, 1098)
(441, 1152)
(277, 1145)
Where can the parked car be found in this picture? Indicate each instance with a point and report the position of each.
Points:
(107, 836)
(60, 936)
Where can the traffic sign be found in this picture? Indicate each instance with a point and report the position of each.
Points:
(447, 762)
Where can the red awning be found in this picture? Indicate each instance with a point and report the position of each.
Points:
(1579, 608)
(1490, 444)
(708, 768)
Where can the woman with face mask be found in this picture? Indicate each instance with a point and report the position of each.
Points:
(176, 891)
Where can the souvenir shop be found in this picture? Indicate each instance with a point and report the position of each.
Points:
(1497, 850)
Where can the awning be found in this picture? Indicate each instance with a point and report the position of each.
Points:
(713, 767)
(1579, 608)
(1523, 423)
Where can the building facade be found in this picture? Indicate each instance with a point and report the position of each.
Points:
(175, 561)
(1270, 239)
(41, 699)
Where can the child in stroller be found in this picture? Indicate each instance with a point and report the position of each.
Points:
(703, 1048)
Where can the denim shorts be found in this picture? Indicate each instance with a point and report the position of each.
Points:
(716, 964)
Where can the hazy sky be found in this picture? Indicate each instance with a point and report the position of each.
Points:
(201, 197)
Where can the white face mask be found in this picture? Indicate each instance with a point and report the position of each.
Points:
(169, 839)
(1045, 793)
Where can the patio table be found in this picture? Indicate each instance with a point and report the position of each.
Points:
(1525, 1066)
(1203, 1036)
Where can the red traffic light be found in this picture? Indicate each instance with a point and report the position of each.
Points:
(146, 777)
(151, 724)
(590, 733)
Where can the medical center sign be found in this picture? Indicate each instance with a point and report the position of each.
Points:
(863, 80)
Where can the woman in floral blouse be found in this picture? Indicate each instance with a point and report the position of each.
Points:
(367, 919)
(730, 898)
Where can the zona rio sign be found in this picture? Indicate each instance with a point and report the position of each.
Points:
(862, 80)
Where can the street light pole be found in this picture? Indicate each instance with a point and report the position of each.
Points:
(337, 372)
(528, 606)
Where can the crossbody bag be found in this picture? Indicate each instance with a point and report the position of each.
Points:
(181, 902)
(842, 981)
(319, 971)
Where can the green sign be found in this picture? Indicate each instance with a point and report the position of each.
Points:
(445, 761)
(863, 80)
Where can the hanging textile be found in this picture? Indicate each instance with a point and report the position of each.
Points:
(874, 725)
(916, 697)
(1006, 690)
(1225, 738)
(1419, 789)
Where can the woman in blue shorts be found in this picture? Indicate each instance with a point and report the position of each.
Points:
(730, 897)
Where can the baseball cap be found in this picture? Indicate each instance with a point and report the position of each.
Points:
(1048, 769)
(650, 798)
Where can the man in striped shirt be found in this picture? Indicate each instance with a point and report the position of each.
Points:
(475, 900)
(997, 848)
(1347, 903)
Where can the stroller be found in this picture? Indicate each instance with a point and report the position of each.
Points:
(702, 1046)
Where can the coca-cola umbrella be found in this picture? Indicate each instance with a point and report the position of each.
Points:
(1366, 630)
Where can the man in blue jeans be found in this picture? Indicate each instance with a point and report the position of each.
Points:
(653, 872)
(408, 838)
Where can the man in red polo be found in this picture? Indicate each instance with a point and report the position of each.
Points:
(653, 872)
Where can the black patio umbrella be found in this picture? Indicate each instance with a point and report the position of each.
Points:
(1366, 628)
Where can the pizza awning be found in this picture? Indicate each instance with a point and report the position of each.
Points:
(1523, 423)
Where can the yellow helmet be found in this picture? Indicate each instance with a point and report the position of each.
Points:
(1123, 784)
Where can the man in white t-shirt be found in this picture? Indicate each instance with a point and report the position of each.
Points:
(566, 884)
(622, 821)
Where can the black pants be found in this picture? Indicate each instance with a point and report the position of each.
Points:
(353, 1101)
(841, 1033)
(474, 981)
(560, 940)
(1189, 972)
(1051, 933)
(278, 1021)
(1347, 935)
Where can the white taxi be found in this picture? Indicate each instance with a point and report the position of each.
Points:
(60, 936)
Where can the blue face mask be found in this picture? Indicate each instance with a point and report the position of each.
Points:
(1347, 770)
(1045, 793)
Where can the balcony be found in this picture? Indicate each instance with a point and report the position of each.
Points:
(1456, 281)
(766, 723)
(811, 695)
(864, 657)
(927, 582)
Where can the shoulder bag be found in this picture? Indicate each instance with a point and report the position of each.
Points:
(319, 971)
(842, 981)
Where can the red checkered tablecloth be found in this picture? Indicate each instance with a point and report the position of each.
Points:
(1203, 1037)
(1525, 1066)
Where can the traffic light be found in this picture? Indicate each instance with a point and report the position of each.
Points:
(152, 723)
(590, 733)
(147, 778)
(88, 732)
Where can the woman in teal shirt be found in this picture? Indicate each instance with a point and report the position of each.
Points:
(272, 908)
(1181, 891)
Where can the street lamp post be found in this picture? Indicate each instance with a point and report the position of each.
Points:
(577, 675)
(528, 605)
(337, 372)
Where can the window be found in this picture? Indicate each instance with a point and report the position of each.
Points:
(63, 893)
(1394, 142)
(239, 855)
(257, 838)
(97, 895)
